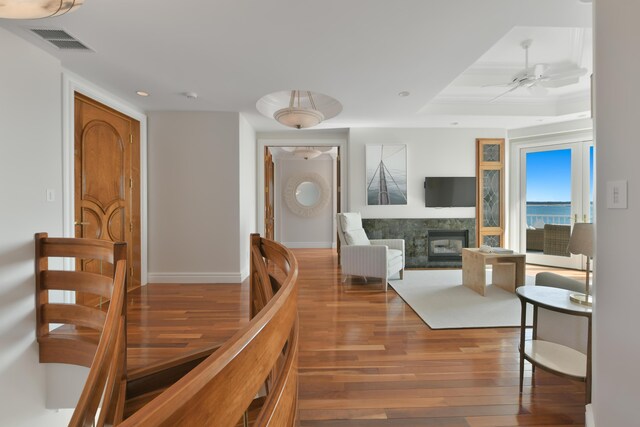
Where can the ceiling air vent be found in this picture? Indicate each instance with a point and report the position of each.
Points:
(60, 39)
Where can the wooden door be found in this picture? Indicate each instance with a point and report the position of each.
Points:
(268, 194)
(107, 184)
(338, 198)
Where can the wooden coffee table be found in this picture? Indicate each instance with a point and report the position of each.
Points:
(474, 265)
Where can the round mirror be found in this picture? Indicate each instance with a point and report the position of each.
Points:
(307, 193)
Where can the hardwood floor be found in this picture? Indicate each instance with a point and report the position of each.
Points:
(366, 359)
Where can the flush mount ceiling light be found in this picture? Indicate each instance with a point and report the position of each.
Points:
(306, 152)
(298, 116)
(34, 9)
(298, 108)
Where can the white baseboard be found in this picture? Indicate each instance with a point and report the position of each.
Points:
(301, 245)
(195, 277)
(589, 418)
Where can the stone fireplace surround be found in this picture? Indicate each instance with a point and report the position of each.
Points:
(414, 232)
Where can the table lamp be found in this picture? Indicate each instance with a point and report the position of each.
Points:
(581, 243)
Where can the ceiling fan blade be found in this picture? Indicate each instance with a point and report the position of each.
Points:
(560, 82)
(504, 93)
(498, 85)
(566, 73)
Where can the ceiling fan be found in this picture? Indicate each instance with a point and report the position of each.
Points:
(542, 76)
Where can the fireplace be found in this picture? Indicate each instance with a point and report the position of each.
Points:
(446, 245)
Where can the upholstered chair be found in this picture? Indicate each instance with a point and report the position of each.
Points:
(360, 256)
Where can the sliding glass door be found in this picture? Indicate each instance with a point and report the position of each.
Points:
(556, 192)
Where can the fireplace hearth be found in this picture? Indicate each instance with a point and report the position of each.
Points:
(446, 245)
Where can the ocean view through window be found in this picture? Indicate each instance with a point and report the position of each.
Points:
(549, 181)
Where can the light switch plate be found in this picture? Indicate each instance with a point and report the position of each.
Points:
(617, 194)
(51, 195)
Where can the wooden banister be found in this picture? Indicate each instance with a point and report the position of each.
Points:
(223, 386)
(71, 344)
(211, 386)
(105, 385)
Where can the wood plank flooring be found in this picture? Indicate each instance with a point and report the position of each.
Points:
(366, 359)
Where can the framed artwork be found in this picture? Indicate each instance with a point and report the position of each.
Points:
(386, 174)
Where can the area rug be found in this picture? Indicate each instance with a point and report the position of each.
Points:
(440, 299)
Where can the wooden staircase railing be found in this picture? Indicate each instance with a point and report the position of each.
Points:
(77, 340)
(252, 377)
(88, 336)
(106, 384)
(261, 358)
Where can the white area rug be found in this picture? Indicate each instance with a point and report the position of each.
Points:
(440, 299)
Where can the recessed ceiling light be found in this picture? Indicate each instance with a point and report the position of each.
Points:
(540, 120)
(454, 123)
(142, 93)
(191, 95)
(404, 94)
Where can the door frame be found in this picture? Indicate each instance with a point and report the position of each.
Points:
(517, 184)
(71, 83)
(339, 141)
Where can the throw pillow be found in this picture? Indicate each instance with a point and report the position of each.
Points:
(351, 221)
(356, 237)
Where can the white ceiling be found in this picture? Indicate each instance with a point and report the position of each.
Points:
(361, 52)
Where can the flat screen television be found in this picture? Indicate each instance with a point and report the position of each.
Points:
(448, 192)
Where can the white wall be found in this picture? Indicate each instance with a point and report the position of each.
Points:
(194, 220)
(30, 163)
(616, 372)
(430, 152)
(293, 230)
(247, 177)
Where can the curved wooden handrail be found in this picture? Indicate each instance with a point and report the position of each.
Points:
(105, 384)
(70, 344)
(219, 390)
(209, 386)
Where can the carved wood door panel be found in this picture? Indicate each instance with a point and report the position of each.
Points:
(105, 178)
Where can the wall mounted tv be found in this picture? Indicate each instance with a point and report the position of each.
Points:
(448, 192)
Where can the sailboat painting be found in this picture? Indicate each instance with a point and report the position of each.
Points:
(386, 170)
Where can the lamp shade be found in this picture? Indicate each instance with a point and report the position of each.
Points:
(581, 240)
(34, 9)
(306, 152)
(298, 118)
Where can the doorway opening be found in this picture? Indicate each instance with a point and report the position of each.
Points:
(302, 195)
(556, 192)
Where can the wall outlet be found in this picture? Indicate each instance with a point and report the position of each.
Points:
(617, 194)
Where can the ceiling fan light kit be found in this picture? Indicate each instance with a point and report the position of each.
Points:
(35, 9)
(297, 116)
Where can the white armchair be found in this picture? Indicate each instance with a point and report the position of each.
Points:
(360, 256)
